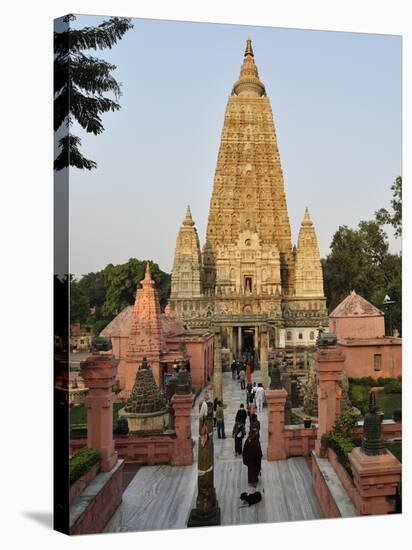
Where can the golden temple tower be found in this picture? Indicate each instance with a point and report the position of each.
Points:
(308, 269)
(248, 281)
(187, 265)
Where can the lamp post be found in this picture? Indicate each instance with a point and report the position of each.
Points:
(387, 302)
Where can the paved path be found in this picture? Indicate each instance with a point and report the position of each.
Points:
(161, 497)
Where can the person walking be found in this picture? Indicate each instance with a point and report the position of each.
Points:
(242, 379)
(252, 458)
(248, 374)
(233, 369)
(259, 397)
(214, 411)
(241, 415)
(238, 433)
(254, 424)
(220, 421)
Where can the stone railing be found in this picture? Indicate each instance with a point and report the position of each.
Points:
(154, 448)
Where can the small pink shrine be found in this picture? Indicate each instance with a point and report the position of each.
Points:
(360, 330)
(142, 331)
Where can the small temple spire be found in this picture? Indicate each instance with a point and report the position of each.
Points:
(249, 49)
(147, 281)
(249, 84)
(188, 221)
(306, 218)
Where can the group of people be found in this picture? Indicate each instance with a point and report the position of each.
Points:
(251, 450)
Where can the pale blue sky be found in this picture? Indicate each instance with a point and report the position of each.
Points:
(336, 101)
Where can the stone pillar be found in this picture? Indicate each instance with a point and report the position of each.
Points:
(256, 339)
(376, 479)
(264, 354)
(276, 400)
(329, 366)
(99, 373)
(305, 359)
(183, 452)
(230, 331)
(294, 358)
(217, 367)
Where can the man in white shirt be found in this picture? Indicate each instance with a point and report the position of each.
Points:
(259, 397)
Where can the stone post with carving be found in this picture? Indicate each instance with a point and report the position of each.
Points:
(276, 397)
(182, 407)
(217, 367)
(207, 511)
(329, 366)
(99, 373)
(264, 354)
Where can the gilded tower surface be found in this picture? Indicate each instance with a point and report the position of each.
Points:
(249, 281)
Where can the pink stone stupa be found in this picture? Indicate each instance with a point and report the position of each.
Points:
(146, 337)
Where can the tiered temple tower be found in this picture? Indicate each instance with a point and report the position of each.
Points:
(146, 339)
(308, 269)
(250, 280)
(187, 266)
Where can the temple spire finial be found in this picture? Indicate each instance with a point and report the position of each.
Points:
(249, 49)
(306, 217)
(188, 218)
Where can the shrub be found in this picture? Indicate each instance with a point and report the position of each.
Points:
(342, 445)
(393, 386)
(346, 422)
(364, 381)
(81, 462)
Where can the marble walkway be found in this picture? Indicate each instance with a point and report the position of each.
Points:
(161, 497)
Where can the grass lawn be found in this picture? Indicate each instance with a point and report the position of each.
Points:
(78, 415)
(386, 403)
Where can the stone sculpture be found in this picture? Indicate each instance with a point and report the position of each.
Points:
(275, 380)
(207, 511)
(372, 442)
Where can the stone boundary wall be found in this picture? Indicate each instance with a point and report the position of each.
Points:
(325, 499)
(79, 485)
(344, 478)
(299, 441)
(93, 508)
(142, 449)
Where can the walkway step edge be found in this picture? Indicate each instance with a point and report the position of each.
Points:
(336, 489)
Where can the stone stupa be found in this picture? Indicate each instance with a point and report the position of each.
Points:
(146, 409)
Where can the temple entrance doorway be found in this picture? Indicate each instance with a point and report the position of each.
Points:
(248, 340)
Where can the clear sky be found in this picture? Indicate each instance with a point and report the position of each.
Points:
(336, 101)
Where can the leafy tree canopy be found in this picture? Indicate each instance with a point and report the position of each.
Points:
(359, 260)
(395, 218)
(80, 82)
(96, 298)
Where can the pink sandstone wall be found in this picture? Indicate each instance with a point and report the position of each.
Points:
(326, 501)
(299, 442)
(102, 507)
(359, 360)
(200, 356)
(355, 327)
(344, 478)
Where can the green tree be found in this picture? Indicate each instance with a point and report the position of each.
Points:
(355, 261)
(105, 293)
(395, 218)
(359, 260)
(80, 82)
(79, 304)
